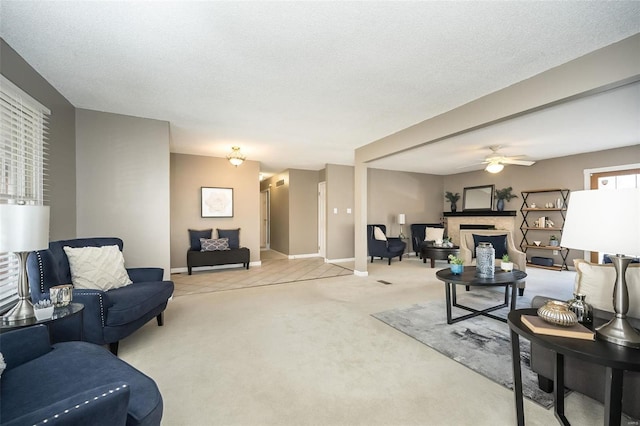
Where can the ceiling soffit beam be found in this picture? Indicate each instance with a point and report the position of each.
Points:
(604, 69)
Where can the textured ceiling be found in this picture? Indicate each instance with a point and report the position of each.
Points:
(302, 84)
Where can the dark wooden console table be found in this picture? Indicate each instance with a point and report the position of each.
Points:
(616, 359)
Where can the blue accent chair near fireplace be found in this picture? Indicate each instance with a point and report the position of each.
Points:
(108, 316)
(72, 383)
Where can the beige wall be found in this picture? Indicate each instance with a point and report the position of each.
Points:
(564, 172)
(303, 212)
(191, 172)
(417, 195)
(122, 181)
(61, 192)
(340, 225)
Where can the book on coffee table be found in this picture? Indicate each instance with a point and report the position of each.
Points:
(540, 326)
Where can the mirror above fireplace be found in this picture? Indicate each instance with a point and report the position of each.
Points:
(478, 198)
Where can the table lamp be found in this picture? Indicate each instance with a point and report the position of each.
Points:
(23, 229)
(608, 221)
(401, 221)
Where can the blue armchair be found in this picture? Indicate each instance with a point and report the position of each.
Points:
(418, 231)
(108, 316)
(389, 248)
(71, 383)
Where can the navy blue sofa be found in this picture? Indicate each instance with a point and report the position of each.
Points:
(71, 383)
(392, 247)
(108, 316)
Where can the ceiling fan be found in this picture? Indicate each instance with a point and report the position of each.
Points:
(495, 161)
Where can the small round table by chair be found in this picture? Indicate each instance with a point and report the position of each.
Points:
(64, 314)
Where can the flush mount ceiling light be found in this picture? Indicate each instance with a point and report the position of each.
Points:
(236, 158)
(494, 167)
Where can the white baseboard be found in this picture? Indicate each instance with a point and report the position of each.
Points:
(361, 273)
(350, 259)
(303, 256)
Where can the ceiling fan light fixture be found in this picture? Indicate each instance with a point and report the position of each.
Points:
(494, 167)
(236, 157)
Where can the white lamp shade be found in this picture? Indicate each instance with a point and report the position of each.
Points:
(23, 228)
(606, 221)
(401, 219)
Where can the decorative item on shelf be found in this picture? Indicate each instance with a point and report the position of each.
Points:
(401, 221)
(453, 199)
(61, 295)
(537, 243)
(503, 195)
(558, 313)
(506, 264)
(25, 228)
(43, 309)
(533, 205)
(236, 157)
(559, 203)
(446, 242)
(584, 229)
(541, 222)
(553, 241)
(582, 309)
(485, 260)
(456, 264)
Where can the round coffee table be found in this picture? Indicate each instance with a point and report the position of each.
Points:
(433, 252)
(468, 278)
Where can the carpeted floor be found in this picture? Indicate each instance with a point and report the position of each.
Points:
(481, 344)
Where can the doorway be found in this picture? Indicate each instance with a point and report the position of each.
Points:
(265, 225)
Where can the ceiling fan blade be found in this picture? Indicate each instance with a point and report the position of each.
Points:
(518, 162)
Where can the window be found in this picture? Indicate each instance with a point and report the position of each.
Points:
(23, 128)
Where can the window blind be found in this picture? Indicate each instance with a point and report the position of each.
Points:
(23, 161)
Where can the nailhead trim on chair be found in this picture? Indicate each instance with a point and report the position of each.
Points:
(68, 410)
(100, 298)
(40, 269)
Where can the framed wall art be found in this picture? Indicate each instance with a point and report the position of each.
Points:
(216, 202)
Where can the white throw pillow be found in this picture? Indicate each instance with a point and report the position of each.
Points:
(97, 268)
(596, 281)
(433, 234)
(378, 234)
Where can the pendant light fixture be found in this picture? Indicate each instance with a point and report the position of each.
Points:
(236, 157)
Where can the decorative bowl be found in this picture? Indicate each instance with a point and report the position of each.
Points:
(43, 313)
(557, 313)
(537, 242)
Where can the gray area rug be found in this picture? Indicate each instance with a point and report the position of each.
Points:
(481, 344)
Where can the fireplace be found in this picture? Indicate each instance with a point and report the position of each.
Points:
(478, 220)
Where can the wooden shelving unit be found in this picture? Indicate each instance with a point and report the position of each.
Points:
(558, 212)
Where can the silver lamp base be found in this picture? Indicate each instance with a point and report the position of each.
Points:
(618, 330)
(24, 309)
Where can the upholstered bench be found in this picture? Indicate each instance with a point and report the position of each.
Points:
(232, 254)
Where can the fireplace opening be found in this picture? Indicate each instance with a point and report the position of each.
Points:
(477, 226)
